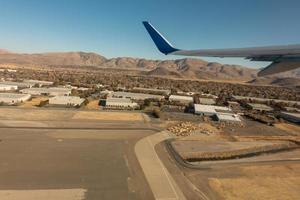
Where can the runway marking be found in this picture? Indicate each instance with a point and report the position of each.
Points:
(45, 194)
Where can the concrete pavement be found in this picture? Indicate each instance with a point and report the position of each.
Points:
(161, 182)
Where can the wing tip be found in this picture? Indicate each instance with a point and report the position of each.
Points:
(161, 43)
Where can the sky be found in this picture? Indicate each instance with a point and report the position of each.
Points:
(113, 28)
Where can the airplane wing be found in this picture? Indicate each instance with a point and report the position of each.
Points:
(283, 58)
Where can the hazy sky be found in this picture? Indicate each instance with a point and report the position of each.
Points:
(113, 27)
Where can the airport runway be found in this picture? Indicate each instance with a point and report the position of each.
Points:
(43, 163)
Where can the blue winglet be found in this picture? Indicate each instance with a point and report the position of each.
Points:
(161, 43)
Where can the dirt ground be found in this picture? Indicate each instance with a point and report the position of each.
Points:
(66, 114)
(120, 116)
(35, 101)
(252, 127)
(92, 105)
(291, 128)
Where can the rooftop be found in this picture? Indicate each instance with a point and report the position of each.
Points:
(137, 95)
(13, 95)
(258, 106)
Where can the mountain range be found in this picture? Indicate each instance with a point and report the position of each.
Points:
(181, 68)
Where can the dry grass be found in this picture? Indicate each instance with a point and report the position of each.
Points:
(92, 105)
(118, 116)
(35, 101)
(261, 182)
(290, 128)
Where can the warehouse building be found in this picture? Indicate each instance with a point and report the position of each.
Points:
(152, 90)
(181, 99)
(291, 117)
(39, 83)
(209, 110)
(69, 101)
(227, 117)
(53, 91)
(8, 87)
(137, 96)
(264, 100)
(259, 107)
(118, 103)
(207, 101)
(219, 113)
(19, 84)
(13, 98)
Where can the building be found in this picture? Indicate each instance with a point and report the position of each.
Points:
(227, 117)
(137, 96)
(83, 89)
(259, 107)
(8, 87)
(264, 100)
(118, 103)
(53, 91)
(209, 110)
(19, 84)
(181, 99)
(66, 101)
(207, 101)
(39, 83)
(13, 98)
(291, 117)
(151, 91)
(8, 70)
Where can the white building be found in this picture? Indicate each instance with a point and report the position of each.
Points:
(120, 103)
(13, 98)
(8, 87)
(8, 70)
(53, 91)
(137, 96)
(19, 84)
(39, 83)
(209, 110)
(225, 117)
(152, 90)
(66, 101)
(181, 99)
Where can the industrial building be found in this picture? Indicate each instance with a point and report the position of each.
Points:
(39, 83)
(219, 113)
(137, 96)
(209, 110)
(152, 90)
(291, 117)
(13, 98)
(181, 99)
(207, 101)
(53, 91)
(227, 117)
(264, 100)
(259, 107)
(118, 103)
(8, 87)
(19, 84)
(66, 101)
